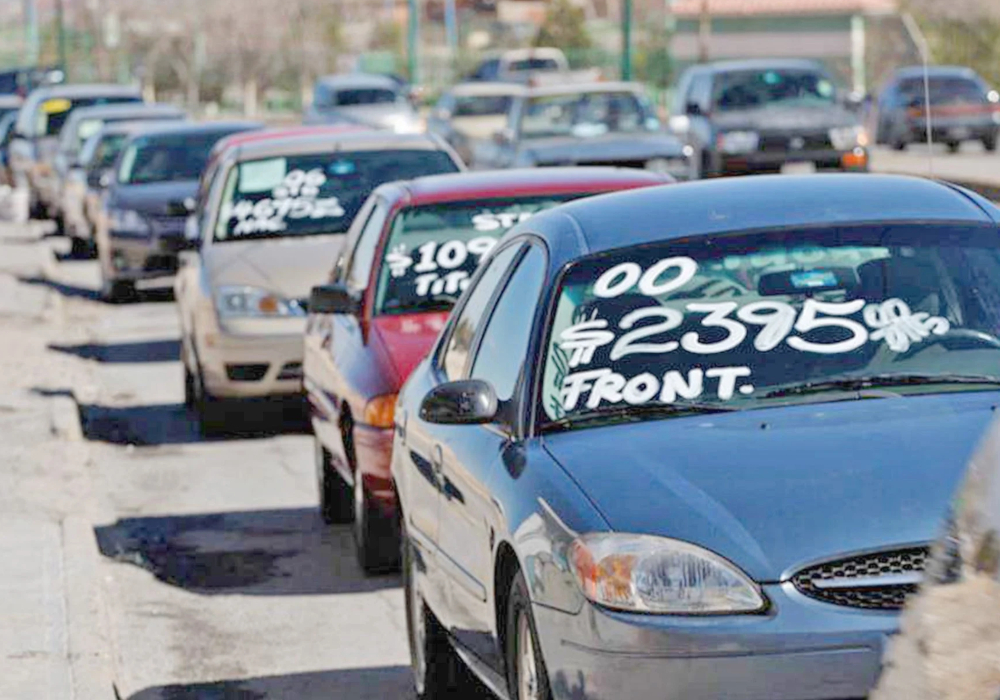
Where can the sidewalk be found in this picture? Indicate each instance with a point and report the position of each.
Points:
(52, 640)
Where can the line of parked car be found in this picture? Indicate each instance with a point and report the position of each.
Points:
(626, 438)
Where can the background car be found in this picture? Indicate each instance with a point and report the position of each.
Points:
(469, 114)
(596, 124)
(948, 646)
(695, 455)
(276, 214)
(765, 115)
(398, 276)
(63, 189)
(6, 136)
(39, 121)
(363, 99)
(147, 204)
(963, 107)
(528, 65)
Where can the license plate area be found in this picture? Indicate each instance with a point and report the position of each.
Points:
(798, 168)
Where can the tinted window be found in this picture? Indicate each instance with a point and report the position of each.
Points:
(482, 105)
(434, 250)
(316, 193)
(365, 96)
(504, 347)
(464, 330)
(753, 89)
(166, 158)
(587, 115)
(533, 64)
(106, 151)
(364, 253)
(943, 91)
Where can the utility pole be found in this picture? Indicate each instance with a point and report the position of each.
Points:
(627, 40)
(413, 39)
(704, 32)
(31, 31)
(61, 35)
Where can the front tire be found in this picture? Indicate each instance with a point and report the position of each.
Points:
(527, 678)
(953, 146)
(376, 541)
(118, 291)
(336, 501)
(990, 141)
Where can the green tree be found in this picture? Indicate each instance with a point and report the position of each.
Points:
(565, 28)
(962, 32)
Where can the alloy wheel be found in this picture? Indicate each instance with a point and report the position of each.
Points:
(527, 667)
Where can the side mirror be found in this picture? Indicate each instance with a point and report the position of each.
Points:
(190, 205)
(104, 181)
(466, 402)
(693, 109)
(333, 299)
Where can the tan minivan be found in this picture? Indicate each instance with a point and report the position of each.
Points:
(271, 217)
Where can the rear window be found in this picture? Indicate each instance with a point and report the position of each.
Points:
(482, 106)
(533, 64)
(313, 194)
(365, 96)
(943, 90)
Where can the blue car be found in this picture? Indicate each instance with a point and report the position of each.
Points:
(693, 442)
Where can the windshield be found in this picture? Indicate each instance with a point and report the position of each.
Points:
(727, 320)
(101, 152)
(587, 115)
(52, 114)
(943, 91)
(533, 64)
(166, 158)
(765, 88)
(433, 250)
(482, 105)
(364, 96)
(313, 194)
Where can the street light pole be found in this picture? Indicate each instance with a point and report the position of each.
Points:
(413, 40)
(627, 40)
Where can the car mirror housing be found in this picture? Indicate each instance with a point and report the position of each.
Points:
(504, 137)
(465, 402)
(333, 299)
(104, 180)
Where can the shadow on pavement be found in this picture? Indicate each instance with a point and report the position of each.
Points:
(175, 424)
(156, 295)
(266, 553)
(385, 682)
(114, 353)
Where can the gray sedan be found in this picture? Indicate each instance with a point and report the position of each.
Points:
(366, 100)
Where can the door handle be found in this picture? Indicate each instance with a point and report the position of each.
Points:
(437, 459)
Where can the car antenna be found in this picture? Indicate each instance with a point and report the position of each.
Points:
(922, 46)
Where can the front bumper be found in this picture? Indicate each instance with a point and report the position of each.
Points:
(800, 650)
(252, 358)
(142, 257)
(769, 161)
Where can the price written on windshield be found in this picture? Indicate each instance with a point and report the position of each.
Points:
(437, 267)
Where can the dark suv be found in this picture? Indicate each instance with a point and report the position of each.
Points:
(963, 108)
(766, 116)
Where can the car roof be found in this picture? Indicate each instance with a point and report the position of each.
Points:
(332, 141)
(581, 88)
(935, 71)
(760, 64)
(496, 184)
(273, 133)
(167, 128)
(486, 89)
(134, 127)
(122, 108)
(85, 90)
(351, 81)
(755, 203)
(7, 101)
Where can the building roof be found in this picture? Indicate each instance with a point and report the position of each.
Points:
(758, 203)
(525, 182)
(692, 8)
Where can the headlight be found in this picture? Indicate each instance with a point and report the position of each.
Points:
(402, 124)
(845, 138)
(380, 412)
(642, 573)
(736, 142)
(129, 222)
(237, 302)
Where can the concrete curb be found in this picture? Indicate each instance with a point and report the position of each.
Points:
(90, 646)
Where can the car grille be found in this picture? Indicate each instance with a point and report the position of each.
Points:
(246, 373)
(782, 143)
(877, 581)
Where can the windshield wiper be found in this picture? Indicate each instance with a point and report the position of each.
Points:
(640, 412)
(880, 380)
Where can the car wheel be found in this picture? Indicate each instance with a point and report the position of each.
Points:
(211, 412)
(190, 390)
(527, 678)
(79, 249)
(336, 501)
(953, 146)
(437, 670)
(375, 540)
(898, 144)
(990, 141)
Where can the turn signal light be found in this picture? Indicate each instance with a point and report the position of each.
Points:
(380, 412)
(855, 159)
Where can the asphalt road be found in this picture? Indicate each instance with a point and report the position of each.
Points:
(219, 578)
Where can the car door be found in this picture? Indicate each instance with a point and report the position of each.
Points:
(336, 342)
(472, 455)
(425, 443)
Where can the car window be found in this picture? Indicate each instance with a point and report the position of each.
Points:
(944, 90)
(463, 331)
(166, 158)
(360, 270)
(754, 89)
(740, 321)
(482, 105)
(503, 348)
(365, 96)
(315, 193)
(700, 92)
(339, 274)
(584, 115)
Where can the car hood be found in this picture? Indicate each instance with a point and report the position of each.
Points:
(158, 198)
(290, 267)
(778, 489)
(404, 340)
(482, 127)
(785, 119)
(607, 148)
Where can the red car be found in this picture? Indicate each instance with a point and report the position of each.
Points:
(409, 254)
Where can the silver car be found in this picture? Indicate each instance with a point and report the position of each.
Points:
(366, 100)
(271, 223)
